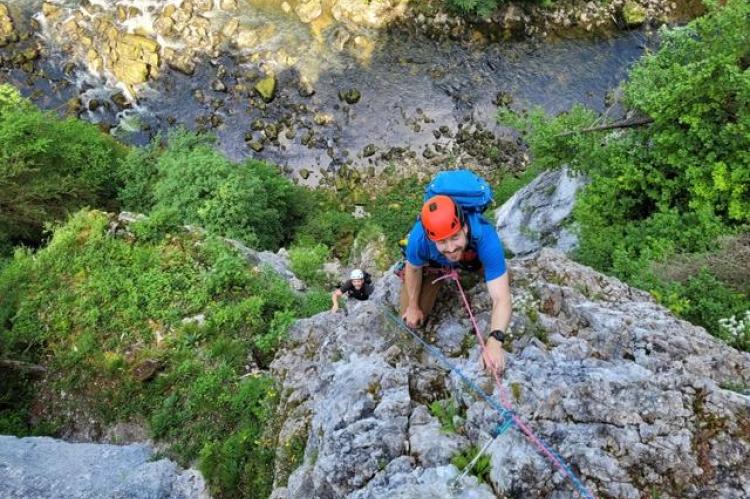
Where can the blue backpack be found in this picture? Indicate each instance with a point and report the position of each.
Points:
(470, 191)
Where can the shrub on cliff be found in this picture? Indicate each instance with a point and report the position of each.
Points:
(677, 185)
(157, 327)
(250, 201)
(49, 167)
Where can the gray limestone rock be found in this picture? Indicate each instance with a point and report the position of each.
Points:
(42, 467)
(534, 216)
(633, 399)
(431, 445)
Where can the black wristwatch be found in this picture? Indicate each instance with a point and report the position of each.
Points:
(498, 335)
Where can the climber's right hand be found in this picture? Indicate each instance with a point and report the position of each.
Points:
(413, 316)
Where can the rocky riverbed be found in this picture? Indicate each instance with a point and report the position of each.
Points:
(328, 90)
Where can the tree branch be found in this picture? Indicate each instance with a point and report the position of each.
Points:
(33, 369)
(633, 122)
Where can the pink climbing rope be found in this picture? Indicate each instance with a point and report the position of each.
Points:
(505, 400)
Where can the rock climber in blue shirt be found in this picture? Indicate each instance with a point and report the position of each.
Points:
(445, 237)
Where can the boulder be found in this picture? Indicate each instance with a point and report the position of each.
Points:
(250, 38)
(370, 14)
(350, 96)
(7, 30)
(429, 443)
(534, 216)
(135, 58)
(278, 262)
(51, 10)
(130, 72)
(45, 468)
(229, 5)
(266, 88)
(230, 28)
(203, 5)
(633, 14)
(181, 61)
(308, 10)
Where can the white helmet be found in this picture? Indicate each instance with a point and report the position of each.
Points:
(356, 274)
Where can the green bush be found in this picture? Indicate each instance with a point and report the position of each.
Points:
(484, 8)
(680, 184)
(251, 201)
(313, 302)
(396, 208)
(481, 8)
(94, 309)
(481, 468)
(446, 412)
(48, 168)
(307, 263)
(328, 225)
(696, 90)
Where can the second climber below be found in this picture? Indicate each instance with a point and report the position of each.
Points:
(446, 236)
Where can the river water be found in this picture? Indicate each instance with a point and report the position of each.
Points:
(410, 86)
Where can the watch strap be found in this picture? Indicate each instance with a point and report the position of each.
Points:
(498, 334)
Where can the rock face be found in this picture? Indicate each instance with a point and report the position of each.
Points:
(368, 13)
(7, 31)
(632, 398)
(278, 262)
(42, 467)
(533, 217)
(129, 41)
(633, 14)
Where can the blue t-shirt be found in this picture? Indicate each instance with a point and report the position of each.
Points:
(484, 242)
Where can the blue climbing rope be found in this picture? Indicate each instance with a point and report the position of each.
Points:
(508, 417)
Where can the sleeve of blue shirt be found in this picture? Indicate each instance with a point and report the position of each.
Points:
(415, 253)
(491, 253)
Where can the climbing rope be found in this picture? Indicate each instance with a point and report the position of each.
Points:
(455, 486)
(504, 409)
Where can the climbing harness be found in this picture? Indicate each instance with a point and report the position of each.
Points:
(504, 409)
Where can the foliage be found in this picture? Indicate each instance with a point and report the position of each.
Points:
(676, 186)
(481, 468)
(371, 236)
(329, 223)
(307, 263)
(48, 168)
(10, 97)
(396, 208)
(482, 8)
(509, 184)
(251, 201)
(446, 412)
(697, 90)
(705, 300)
(138, 173)
(94, 308)
(314, 301)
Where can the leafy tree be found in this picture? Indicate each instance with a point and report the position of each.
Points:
(251, 201)
(48, 168)
(677, 185)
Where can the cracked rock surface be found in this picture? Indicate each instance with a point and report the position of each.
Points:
(38, 467)
(634, 399)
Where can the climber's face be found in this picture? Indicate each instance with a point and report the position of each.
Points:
(357, 283)
(453, 247)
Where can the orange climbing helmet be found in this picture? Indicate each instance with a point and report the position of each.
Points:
(441, 217)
